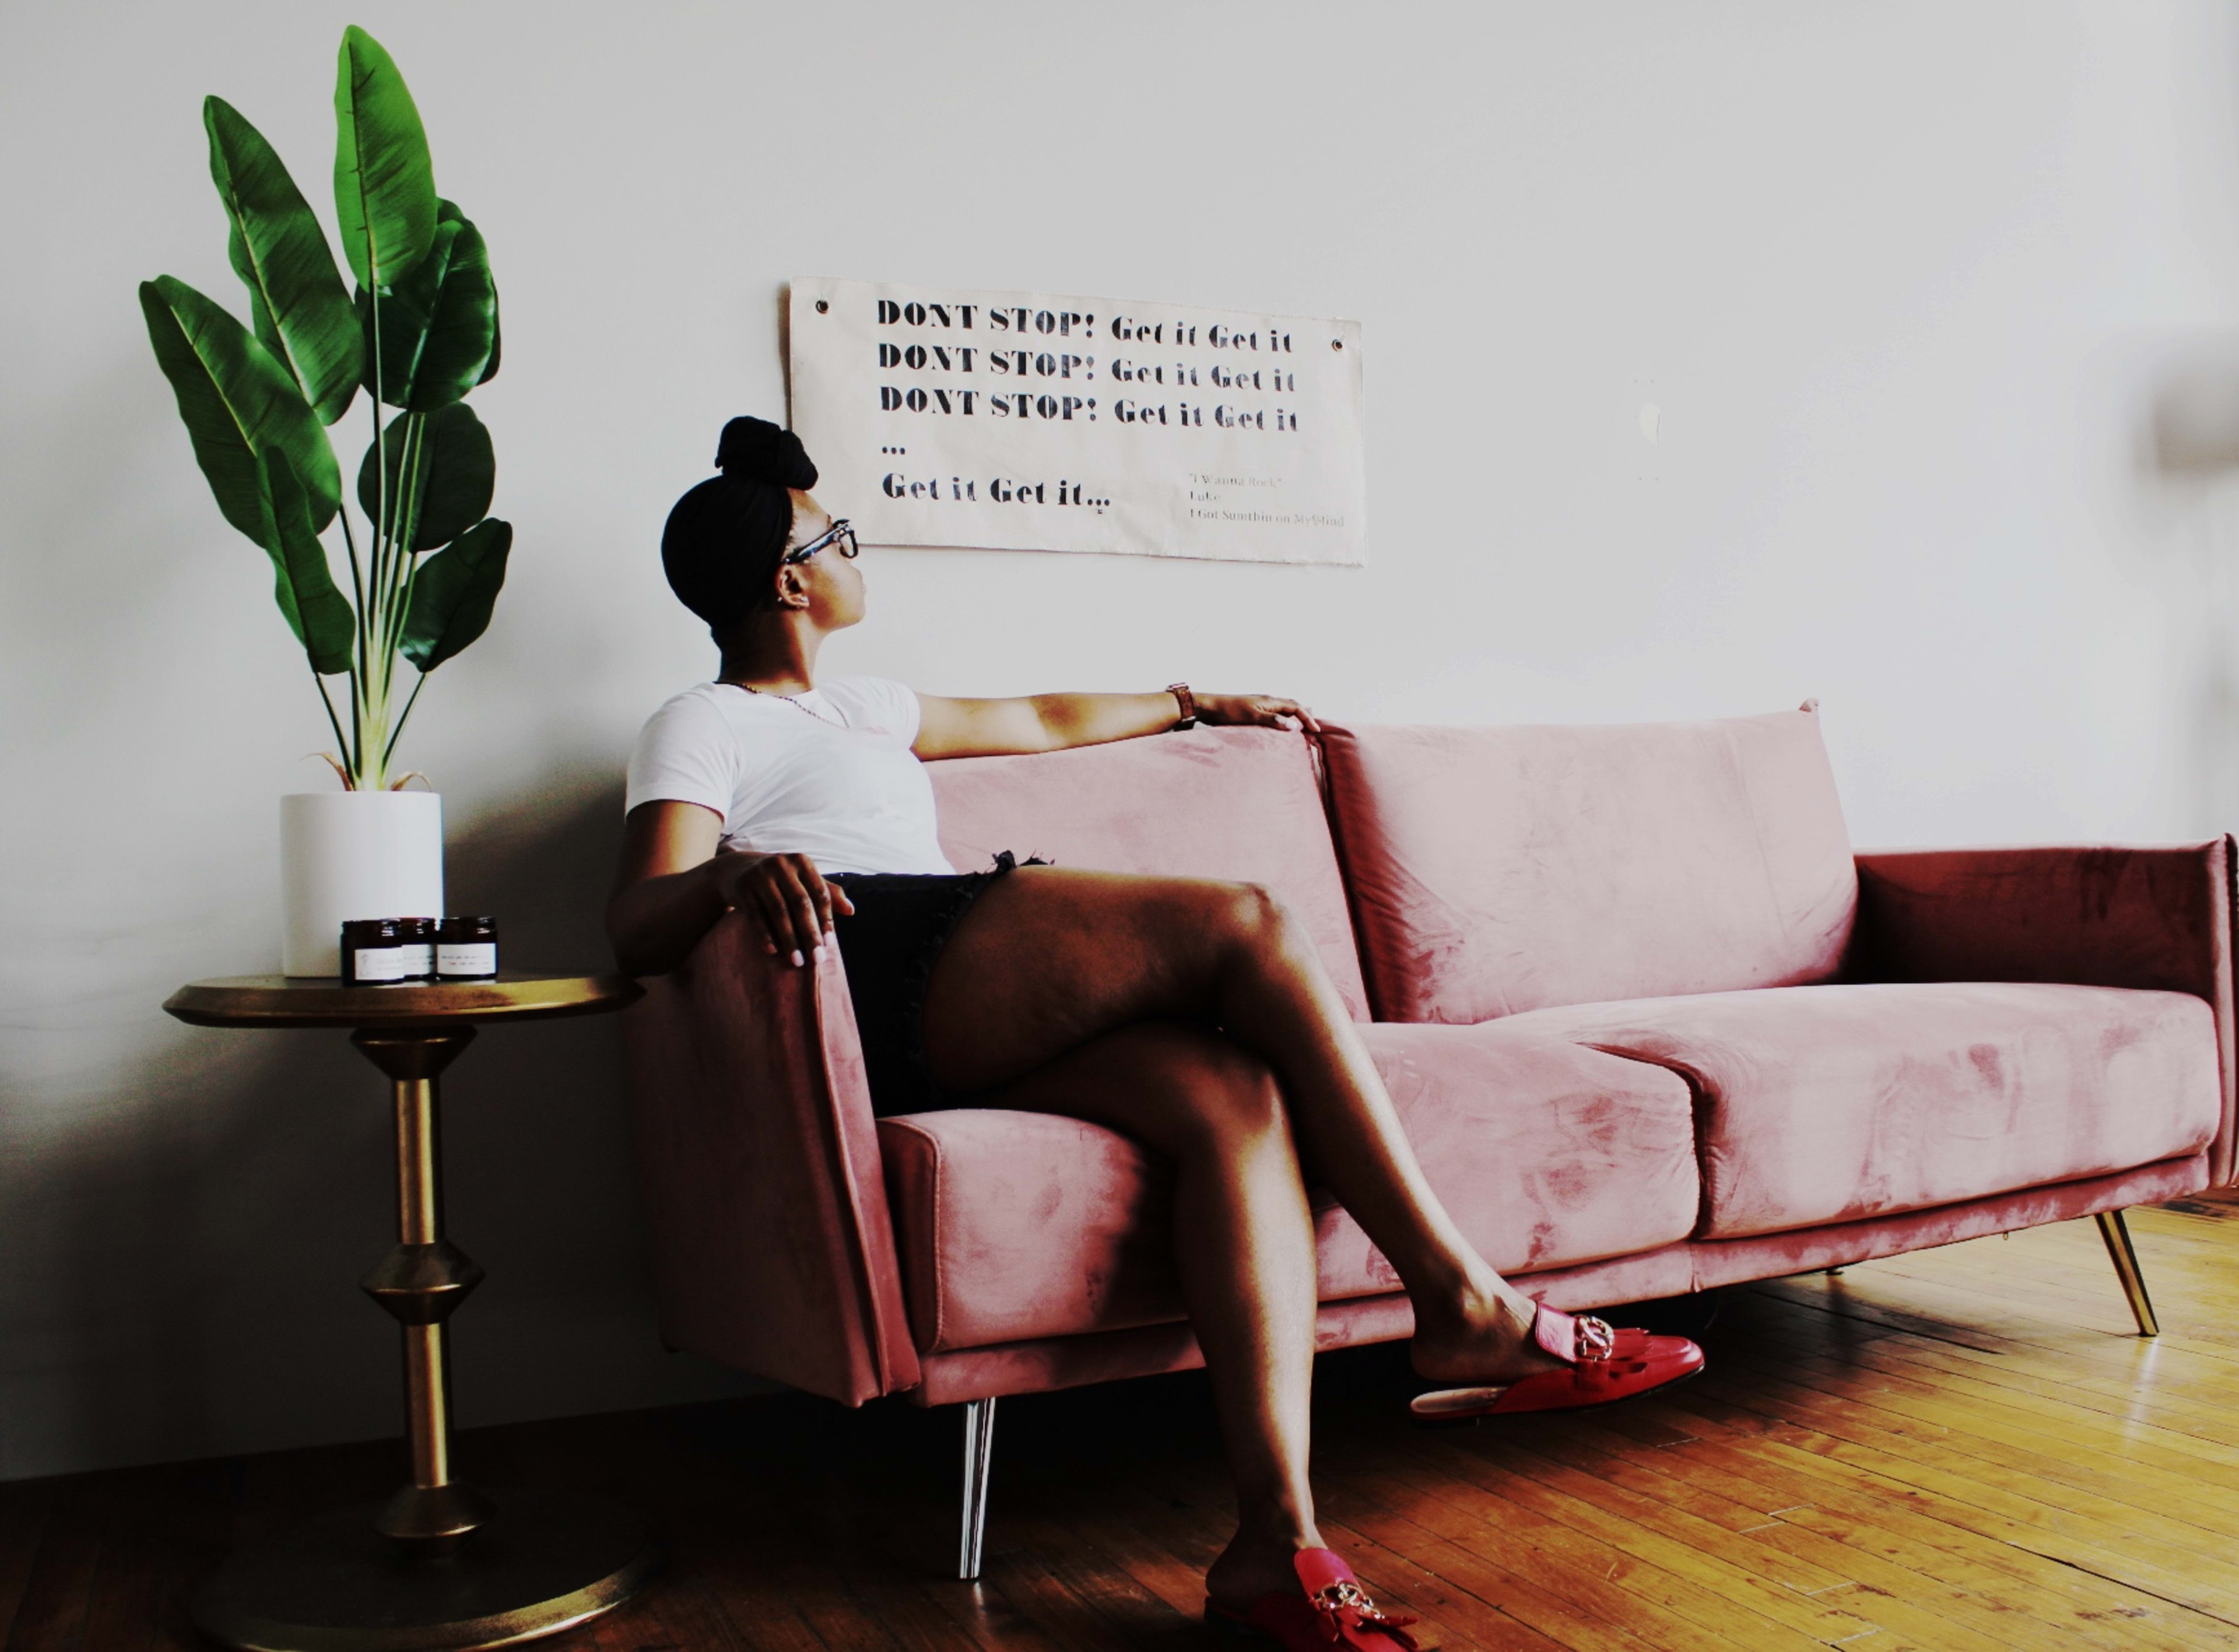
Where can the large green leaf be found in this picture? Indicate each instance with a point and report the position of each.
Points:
(237, 402)
(448, 212)
(455, 472)
(296, 298)
(302, 583)
(384, 183)
(438, 327)
(453, 592)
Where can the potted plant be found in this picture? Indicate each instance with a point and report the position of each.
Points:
(419, 333)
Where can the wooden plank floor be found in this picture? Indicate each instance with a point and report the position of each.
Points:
(1964, 1448)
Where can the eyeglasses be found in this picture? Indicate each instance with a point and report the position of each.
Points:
(840, 536)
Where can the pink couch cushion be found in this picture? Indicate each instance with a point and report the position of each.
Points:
(1543, 1159)
(1240, 805)
(1496, 870)
(1836, 1103)
(1014, 1225)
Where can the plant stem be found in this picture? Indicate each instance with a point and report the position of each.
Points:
(357, 580)
(377, 669)
(358, 590)
(333, 722)
(357, 729)
(401, 721)
(407, 562)
(404, 608)
(399, 562)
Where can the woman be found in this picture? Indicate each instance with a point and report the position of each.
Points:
(1190, 1015)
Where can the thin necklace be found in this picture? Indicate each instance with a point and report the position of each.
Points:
(804, 710)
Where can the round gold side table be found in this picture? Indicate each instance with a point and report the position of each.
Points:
(439, 1564)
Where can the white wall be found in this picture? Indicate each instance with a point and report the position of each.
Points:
(1904, 279)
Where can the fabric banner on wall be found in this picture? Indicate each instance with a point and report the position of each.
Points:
(1023, 421)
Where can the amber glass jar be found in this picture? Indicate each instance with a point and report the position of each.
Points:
(416, 939)
(371, 956)
(466, 949)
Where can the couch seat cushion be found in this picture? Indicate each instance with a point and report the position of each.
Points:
(1833, 1103)
(1014, 1225)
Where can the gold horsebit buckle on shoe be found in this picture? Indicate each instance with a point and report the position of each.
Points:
(1596, 1339)
(1345, 1595)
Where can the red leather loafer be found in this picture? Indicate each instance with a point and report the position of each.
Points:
(1601, 1366)
(1334, 1611)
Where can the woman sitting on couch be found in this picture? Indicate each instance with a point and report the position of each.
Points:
(1190, 1015)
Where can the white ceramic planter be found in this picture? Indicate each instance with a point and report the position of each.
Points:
(346, 854)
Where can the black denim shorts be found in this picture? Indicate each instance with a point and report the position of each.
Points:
(888, 947)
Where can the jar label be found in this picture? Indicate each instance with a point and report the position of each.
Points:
(465, 958)
(419, 958)
(377, 963)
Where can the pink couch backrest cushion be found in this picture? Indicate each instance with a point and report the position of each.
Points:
(1496, 870)
(1242, 804)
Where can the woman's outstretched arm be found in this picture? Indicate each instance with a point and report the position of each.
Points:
(955, 727)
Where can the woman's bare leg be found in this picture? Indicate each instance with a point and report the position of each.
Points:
(1048, 958)
(1244, 1238)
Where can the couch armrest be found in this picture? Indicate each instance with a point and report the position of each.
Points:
(773, 1249)
(2151, 917)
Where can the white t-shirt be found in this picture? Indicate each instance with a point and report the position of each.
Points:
(828, 774)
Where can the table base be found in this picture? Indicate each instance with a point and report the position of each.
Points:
(543, 1563)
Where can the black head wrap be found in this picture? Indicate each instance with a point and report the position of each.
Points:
(724, 538)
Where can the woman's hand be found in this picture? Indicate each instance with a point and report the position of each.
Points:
(1254, 710)
(787, 893)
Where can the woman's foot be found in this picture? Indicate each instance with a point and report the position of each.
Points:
(1486, 1340)
(1324, 1609)
(1256, 1565)
(1598, 1364)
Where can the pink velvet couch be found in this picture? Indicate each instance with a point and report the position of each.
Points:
(1653, 1027)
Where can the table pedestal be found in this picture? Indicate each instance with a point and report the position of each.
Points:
(439, 1564)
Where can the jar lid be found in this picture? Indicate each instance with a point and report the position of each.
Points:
(469, 921)
(415, 929)
(368, 928)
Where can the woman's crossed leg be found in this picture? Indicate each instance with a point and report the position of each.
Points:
(1196, 1016)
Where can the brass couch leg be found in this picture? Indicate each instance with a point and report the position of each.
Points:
(2116, 1233)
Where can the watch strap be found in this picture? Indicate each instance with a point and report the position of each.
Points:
(1188, 703)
